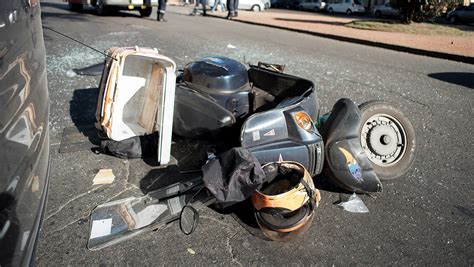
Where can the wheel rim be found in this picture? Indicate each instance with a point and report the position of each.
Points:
(384, 140)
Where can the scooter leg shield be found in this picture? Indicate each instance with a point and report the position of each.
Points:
(346, 161)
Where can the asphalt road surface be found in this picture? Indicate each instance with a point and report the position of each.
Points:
(423, 218)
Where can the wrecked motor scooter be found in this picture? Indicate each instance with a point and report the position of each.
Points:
(270, 113)
(274, 114)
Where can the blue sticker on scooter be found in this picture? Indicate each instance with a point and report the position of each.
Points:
(352, 164)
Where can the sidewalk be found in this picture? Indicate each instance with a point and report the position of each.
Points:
(458, 48)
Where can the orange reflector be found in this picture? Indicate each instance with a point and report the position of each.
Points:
(304, 121)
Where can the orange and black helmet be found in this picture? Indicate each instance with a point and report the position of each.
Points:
(285, 204)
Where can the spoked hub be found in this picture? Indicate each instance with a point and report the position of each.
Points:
(383, 139)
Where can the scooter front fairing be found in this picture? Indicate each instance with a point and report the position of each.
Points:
(346, 161)
(275, 135)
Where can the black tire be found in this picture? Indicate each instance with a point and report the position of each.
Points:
(100, 8)
(75, 7)
(378, 14)
(454, 20)
(145, 12)
(381, 125)
(330, 10)
(349, 12)
(256, 8)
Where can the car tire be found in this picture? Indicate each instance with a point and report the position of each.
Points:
(381, 125)
(75, 7)
(349, 12)
(330, 10)
(256, 8)
(100, 8)
(378, 14)
(145, 12)
(454, 20)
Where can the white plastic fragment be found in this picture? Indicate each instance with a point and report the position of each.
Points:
(231, 46)
(70, 74)
(104, 176)
(191, 251)
(354, 204)
(101, 228)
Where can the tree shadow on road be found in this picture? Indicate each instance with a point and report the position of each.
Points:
(465, 79)
(336, 23)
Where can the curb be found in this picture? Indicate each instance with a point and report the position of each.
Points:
(399, 48)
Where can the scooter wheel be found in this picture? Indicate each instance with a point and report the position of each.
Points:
(388, 139)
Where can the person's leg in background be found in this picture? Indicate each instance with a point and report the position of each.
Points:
(161, 10)
(203, 2)
(214, 7)
(236, 8)
(230, 7)
(222, 5)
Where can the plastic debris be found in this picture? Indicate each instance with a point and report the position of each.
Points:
(231, 46)
(191, 251)
(354, 204)
(70, 73)
(104, 176)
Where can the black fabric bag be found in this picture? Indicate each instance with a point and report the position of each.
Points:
(133, 147)
(233, 176)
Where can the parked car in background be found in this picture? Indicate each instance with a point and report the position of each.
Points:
(103, 7)
(287, 4)
(24, 130)
(462, 14)
(314, 5)
(385, 10)
(254, 5)
(345, 6)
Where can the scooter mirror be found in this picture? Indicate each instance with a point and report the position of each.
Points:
(188, 220)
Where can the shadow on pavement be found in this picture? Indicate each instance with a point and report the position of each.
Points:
(465, 79)
(313, 21)
(82, 110)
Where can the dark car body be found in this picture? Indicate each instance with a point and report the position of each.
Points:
(462, 14)
(24, 135)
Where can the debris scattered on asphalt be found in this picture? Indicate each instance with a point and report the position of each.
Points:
(104, 176)
(231, 46)
(101, 228)
(191, 251)
(70, 73)
(354, 204)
